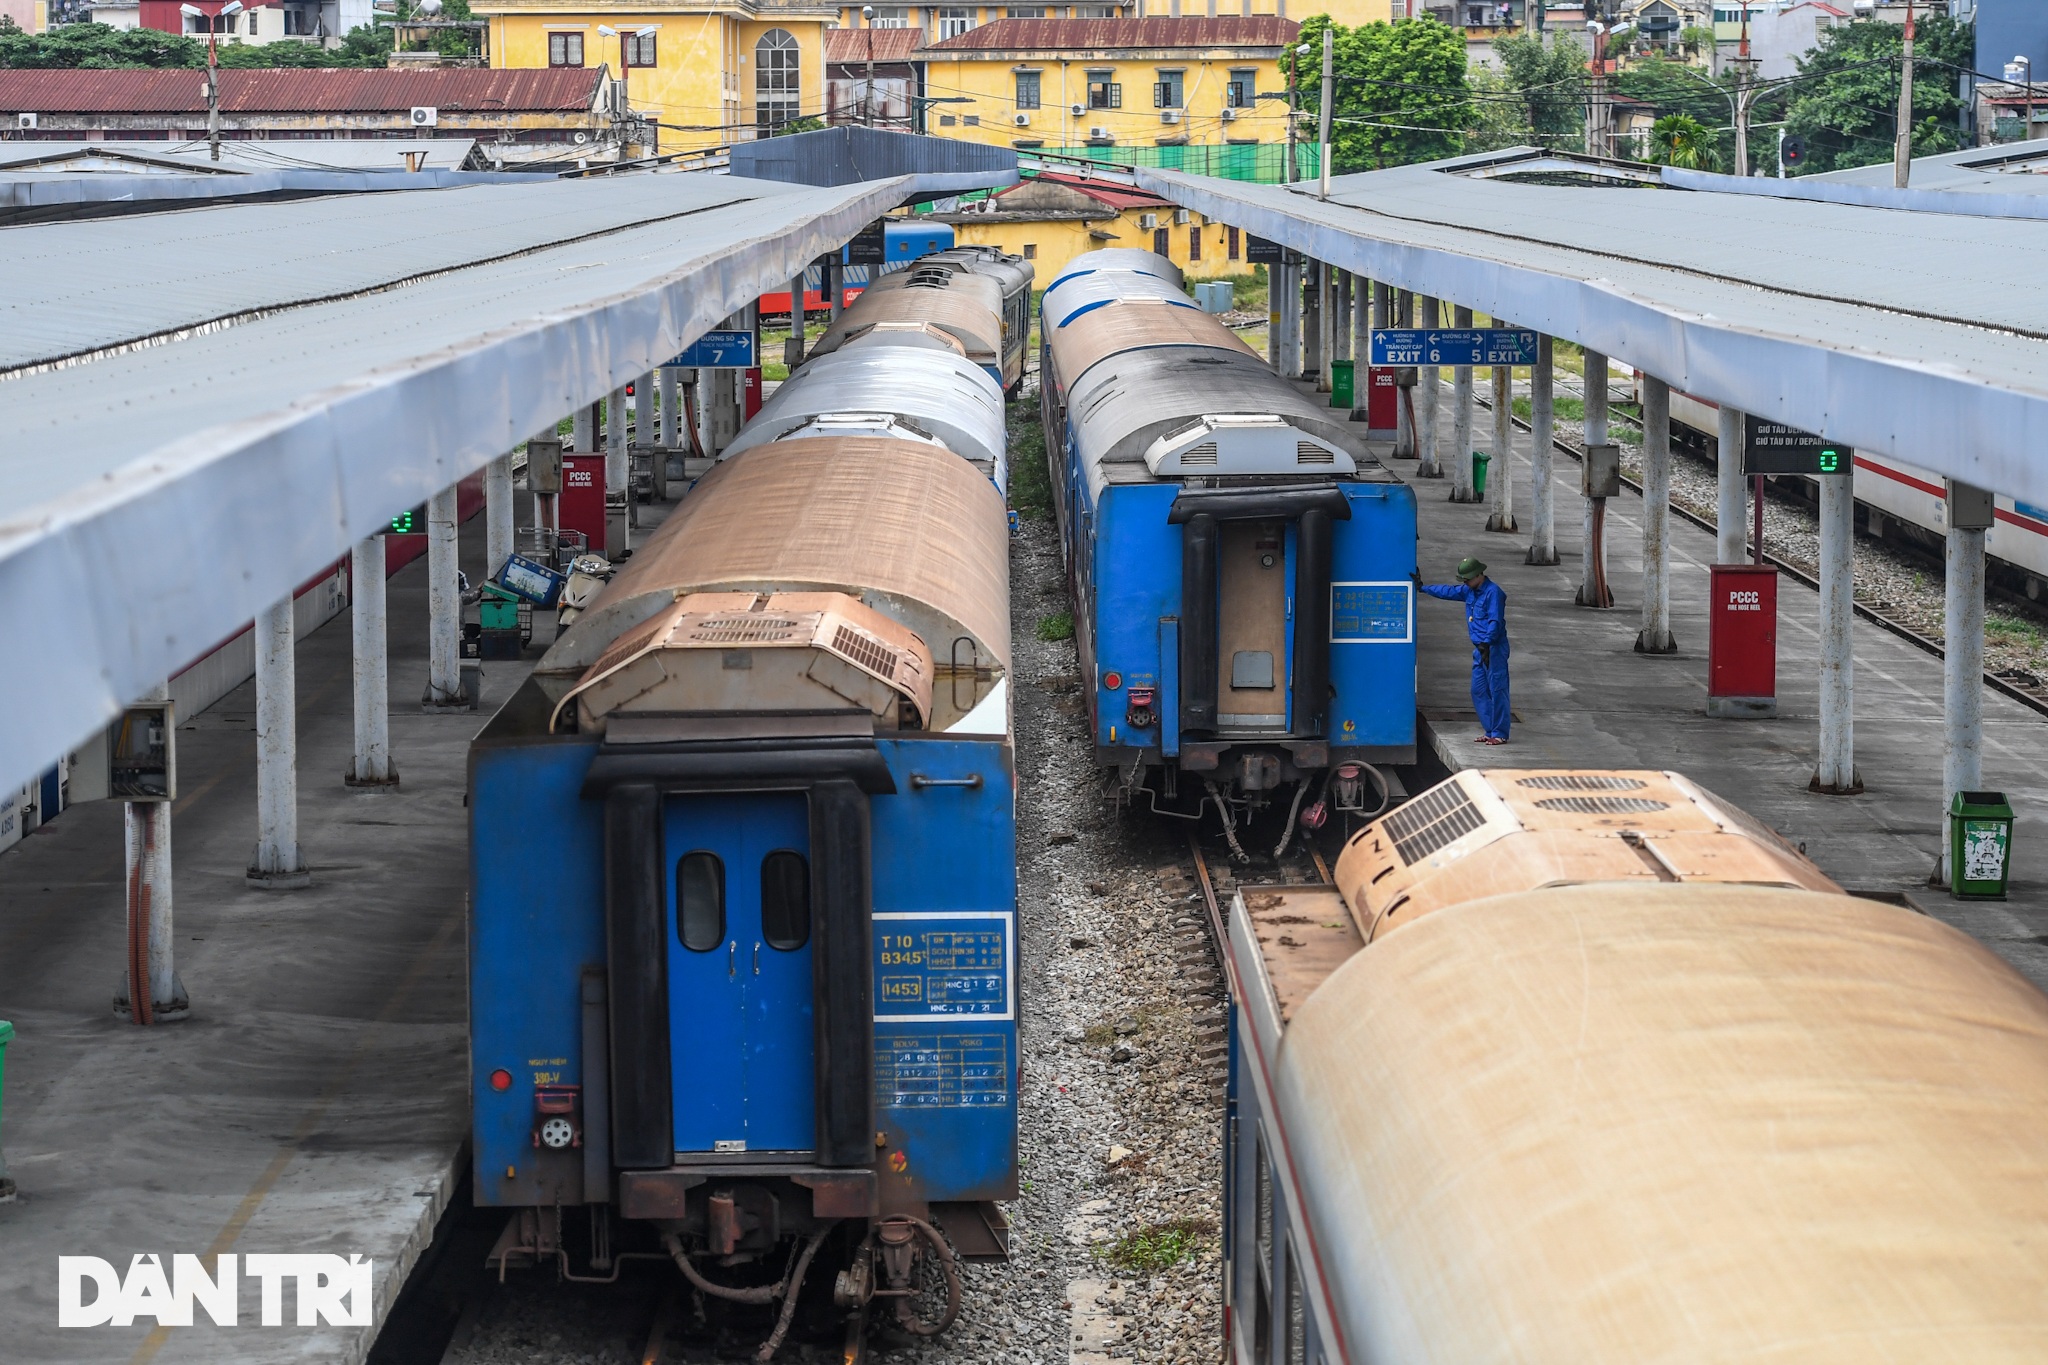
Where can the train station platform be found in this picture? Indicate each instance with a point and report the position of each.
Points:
(314, 1100)
(1582, 697)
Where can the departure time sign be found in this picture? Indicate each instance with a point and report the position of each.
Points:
(1775, 448)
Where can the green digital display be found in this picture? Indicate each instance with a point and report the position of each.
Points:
(1830, 461)
(1775, 448)
(412, 522)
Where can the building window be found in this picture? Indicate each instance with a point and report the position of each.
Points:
(1031, 251)
(954, 22)
(1025, 12)
(640, 49)
(1194, 243)
(1027, 90)
(1230, 240)
(1166, 91)
(1103, 92)
(1098, 11)
(565, 49)
(894, 16)
(1243, 87)
(1162, 243)
(776, 88)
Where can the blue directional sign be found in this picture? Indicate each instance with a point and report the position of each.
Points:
(1472, 346)
(719, 351)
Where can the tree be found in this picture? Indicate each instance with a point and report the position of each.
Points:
(1846, 101)
(1401, 95)
(1683, 141)
(1551, 81)
(96, 47)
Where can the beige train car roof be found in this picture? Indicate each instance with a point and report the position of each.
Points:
(1665, 1124)
(1101, 332)
(911, 529)
(1494, 831)
(970, 308)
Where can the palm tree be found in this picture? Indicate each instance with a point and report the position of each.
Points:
(1683, 141)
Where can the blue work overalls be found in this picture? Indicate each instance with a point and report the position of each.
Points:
(1486, 611)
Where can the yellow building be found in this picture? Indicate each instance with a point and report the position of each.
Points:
(940, 22)
(1186, 86)
(703, 74)
(1054, 218)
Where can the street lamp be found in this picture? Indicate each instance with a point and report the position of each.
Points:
(626, 69)
(920, 103)
(212, 69)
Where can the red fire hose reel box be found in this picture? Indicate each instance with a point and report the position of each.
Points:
(582, 498)
(1382, 402)
(1742, 641)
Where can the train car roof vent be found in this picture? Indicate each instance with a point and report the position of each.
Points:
(1436, 819)
(1244, 443)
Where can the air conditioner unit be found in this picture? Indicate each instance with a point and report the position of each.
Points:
(1169, 116)
(25, 121)
(1078, 109)
(425, 116)
(1021, 120)
(1180, 217)
(1230, 115)
(1148, 220)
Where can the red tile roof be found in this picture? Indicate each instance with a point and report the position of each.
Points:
(1054, 35)
(851, 44)
(1115, 195)
(315, 90)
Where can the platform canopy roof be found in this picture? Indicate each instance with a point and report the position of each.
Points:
(1911, 334)
(207, 408)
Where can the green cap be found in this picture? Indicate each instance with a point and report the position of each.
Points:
(1469, 567)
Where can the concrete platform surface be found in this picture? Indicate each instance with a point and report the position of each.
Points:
(1582, 697)
(314, 1101)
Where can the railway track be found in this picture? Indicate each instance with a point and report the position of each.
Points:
(2028, 697)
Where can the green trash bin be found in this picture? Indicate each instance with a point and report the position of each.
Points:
(1480, 460)
(6, 1185)
(1343, 383)
(1979, 845)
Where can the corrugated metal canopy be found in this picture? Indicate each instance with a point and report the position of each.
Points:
(1907, 334)
(334, 90)
(161, 494)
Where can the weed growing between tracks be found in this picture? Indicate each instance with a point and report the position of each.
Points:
(1159, 1246)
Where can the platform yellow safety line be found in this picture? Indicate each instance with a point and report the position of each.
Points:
(232, 1230)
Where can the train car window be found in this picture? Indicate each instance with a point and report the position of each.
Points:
(785, 900)
(1296, 1311)
(700, 901)
(1262, 1212)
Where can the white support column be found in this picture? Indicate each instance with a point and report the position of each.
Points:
(1593, 519)
(1500, 473)
(1655, 636)
(498, 518)
(583, 432)
(151, 932)
(795, 355)
(1428, 388)
(1404, 398)
(707, 380)
(1340, 331)
(1835, 772)
(1962, 670)
(618, 473)
(370, 765)
(1323, 333)
(444, 605)
(671, 409)
(276, 864)
(1731, 502)
(1290, 318)
(835, 285)
(1542, 458)
(1361, 346)
(1463, 483)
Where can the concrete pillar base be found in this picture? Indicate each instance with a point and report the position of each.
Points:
(1465, 495)
(1537, 556)
(389, 782)
(1742, 708)
(432, 706)
(278, 881)
(1503, 524)
(1855, 787)
(1429, 469)
(1579, 599)
(171, 1011)
(1655, 642)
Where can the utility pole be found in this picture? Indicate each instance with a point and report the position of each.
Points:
(1742, 64)
(1329, 86)
(232, 7)
(867, 99)
(1902, 149)
(1287, 176)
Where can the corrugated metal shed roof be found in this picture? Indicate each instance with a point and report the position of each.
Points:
(1099, 35)
(312, 90)
(1906, 334)
(1108, 192)
(889, 44)
(260, 154)
(159, 495)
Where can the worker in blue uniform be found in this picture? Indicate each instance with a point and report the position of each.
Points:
(1486, 621)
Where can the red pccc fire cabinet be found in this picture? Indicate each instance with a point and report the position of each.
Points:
(1382, 402)
(1742, 641)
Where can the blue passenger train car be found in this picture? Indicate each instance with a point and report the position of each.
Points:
(1240, 566)
(743, 939)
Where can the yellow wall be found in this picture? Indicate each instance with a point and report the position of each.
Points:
(702, 85)
(991, 84)
(1056, 242)
(1346, 12)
